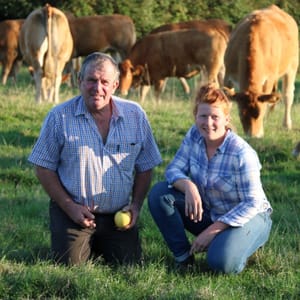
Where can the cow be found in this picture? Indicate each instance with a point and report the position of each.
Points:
(46, 44)
(114, 34)
(262, 48)
(10, 56)
(107, 33)
(218, 24)
(222, 26)
(180, 53)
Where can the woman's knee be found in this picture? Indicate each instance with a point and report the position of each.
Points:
(155, 193)
(225, 263)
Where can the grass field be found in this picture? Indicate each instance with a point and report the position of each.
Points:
(26, 272)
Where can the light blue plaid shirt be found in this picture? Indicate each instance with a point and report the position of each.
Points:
(229, 183)
(97, 175)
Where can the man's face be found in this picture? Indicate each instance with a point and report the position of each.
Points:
(98, 85)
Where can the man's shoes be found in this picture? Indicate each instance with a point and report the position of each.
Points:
(186, 265)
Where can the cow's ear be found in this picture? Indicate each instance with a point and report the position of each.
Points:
(125, 65)
(138, 71)
(270, 98)
(230, 93)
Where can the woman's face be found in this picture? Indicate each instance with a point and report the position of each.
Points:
(212, 121)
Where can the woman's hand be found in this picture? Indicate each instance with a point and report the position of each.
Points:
(203, 240)
(193, 202)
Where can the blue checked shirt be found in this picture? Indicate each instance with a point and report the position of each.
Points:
(97, 175)
(229, 183)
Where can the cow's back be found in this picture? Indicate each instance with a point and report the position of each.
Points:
(61, 43)
(99, 33)
(258, 47)
(203, 25)
(33, 36)
(169, 53)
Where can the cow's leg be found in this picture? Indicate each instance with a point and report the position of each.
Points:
(15, 70)
(38, 74)
(45, 89)
(185, 85)
(288, 87)
(57, 82)
(7, 67)
(5, 72)
(221, 75)
(144, 91)
(158, 88)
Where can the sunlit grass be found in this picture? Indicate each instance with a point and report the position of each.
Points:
(26, 272)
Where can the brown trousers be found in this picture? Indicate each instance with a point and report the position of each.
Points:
(71, 244)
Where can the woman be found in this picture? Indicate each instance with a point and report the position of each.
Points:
(214, 191)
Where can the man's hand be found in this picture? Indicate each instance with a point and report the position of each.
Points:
(81, 215)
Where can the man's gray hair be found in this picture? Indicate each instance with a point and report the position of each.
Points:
(98, 58)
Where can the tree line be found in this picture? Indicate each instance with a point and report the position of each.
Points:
(148, 14)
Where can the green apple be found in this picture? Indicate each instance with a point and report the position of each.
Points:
(122, 218)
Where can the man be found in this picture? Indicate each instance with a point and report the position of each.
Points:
(95, 156)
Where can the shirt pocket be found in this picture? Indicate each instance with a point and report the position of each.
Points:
(223, 183)
(125, 155)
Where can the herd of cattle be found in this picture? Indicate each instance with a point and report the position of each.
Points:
(250, 59)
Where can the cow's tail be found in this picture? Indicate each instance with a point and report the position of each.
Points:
(48, 62)
(49, 13)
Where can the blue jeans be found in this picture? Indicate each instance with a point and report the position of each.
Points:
(229, 250)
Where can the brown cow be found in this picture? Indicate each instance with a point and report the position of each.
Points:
(218, 24)
(114, 34)
(107, 33)
(46, 44)
(262, 48)
(10, 56)
(179, 53)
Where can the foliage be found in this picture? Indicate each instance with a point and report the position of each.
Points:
(148, 14)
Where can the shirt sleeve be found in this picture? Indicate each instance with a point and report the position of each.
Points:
(46, 150)
(249, 190)
(180, 165)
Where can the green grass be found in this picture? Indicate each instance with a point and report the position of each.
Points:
(26, 272)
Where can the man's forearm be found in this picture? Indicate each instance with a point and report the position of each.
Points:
(53, 187)
(141, 186)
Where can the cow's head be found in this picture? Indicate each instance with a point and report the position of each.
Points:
(130, 76)
(252, 109)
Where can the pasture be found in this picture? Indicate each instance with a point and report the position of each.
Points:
(26, 272)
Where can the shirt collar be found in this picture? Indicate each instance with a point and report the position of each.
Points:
(117, 108)
(222, 147)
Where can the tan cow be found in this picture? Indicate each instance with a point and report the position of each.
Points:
(262, 49)
(181, 53)
(218, 24)
(10, 56)
(46, 45)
